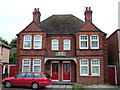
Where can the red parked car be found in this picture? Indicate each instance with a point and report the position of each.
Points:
(31, 79)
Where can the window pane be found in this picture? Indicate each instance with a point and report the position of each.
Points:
(36, 61)
(55, 41)
(84, 70)
(84, 62)
(66, 47)
(55, 47)
(27, 37)
(26, 68)
(27, 44)
(29, 74)
(26, 61)
(83, 37)
(94, 43)
(38, 37)
(95, 62)
(95, 69)
(37, 44)
(94, 37)
(66, 41)
(37, 75)
(83, 43)
(21, 75)
(36, 68)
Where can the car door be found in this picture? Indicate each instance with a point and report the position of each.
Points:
(28, 79)
(18, 80)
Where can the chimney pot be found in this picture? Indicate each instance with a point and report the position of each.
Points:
(88, 14)
(36, 15)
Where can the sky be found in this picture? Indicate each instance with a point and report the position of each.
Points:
(15, 15)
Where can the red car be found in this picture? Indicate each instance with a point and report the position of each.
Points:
(31, 79)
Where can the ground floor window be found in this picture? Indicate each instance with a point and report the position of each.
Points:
(84, 67)
(26, 65)
(94, 67)
(34, 63)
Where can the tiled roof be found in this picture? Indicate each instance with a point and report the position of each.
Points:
(59, 24)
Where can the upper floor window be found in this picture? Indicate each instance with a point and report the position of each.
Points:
(55, 44)
(36, 65)
(84, 67)
(66, 44)
(95, 67)
(94, 41)
(26, 65)
(27, 42)
(37, 42)
(83, 41)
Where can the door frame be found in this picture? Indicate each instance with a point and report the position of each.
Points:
(115, 72)
(58, 69)
(70, 70)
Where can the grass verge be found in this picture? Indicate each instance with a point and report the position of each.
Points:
(77, 87)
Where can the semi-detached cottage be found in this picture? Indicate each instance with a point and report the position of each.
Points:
(69, 49)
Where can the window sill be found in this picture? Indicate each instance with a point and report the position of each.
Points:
(32, 49)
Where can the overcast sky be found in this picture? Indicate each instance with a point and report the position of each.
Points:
(15, 15)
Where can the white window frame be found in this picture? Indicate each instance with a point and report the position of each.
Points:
(36, 65)
(27, 40)
(26, 64)
(94, 40)
(80, 40)
(56, 44)
(39, 41)
(69, 44)
(83, 66)
(98, 65)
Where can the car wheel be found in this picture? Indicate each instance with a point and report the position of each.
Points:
(8, 84)
(35, 86)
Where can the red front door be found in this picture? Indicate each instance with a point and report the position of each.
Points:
(12, 71)
(55, 71)
(111, 75)
(66, 71)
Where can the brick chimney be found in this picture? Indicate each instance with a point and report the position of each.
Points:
(36, 15)
(88, 14)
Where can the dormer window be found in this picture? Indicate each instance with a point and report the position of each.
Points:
(27, 42)
(37, 42)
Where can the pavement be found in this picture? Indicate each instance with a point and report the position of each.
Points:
(68, 87)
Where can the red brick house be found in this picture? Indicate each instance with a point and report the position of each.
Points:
(113, 42)
(64, 46)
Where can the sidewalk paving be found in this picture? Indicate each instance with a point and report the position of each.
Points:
(69, 87)
(99, 87)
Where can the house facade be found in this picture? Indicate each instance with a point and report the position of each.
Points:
(4, 58)
(69, 49)
(113, 42)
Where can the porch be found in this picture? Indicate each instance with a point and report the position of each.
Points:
(63, 71)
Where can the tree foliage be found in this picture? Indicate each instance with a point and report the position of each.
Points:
(13, 43)
(12, 58)
(3, 41)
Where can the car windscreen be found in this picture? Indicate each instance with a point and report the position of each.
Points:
(47, 75)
